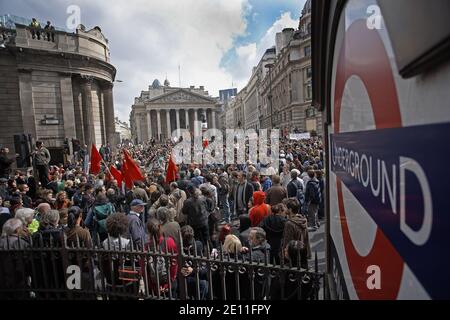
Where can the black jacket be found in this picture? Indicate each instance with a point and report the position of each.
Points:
(292, 188)
(5, 164)
(196, 211)
(247, 194)
(273, 225)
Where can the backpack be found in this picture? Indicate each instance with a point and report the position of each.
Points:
(224, 185)
(300, 193)
(315, 194)
(100, 214)
(158, 269)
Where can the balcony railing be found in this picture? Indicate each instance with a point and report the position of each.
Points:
(82, 43)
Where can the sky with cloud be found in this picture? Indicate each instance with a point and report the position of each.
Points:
(216, 42)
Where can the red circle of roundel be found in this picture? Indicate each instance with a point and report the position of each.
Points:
(363, 54)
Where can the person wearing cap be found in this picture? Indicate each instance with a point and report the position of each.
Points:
(136, 226)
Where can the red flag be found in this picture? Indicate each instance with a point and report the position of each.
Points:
(125, 178)
(117, 175)
(96, 159)
(131, 171)
(171, 171)
(205, 143)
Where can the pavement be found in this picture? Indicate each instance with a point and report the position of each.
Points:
(317, 242)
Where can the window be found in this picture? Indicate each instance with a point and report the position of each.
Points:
(308, 73)
(308, 91)
(308, 51)
(310, 112)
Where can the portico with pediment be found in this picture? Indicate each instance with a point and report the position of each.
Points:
(163, 109)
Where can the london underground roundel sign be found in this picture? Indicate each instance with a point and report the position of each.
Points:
(387, 170)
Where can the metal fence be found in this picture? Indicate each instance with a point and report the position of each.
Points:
(70, 271)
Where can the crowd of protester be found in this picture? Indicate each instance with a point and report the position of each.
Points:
(229, 210)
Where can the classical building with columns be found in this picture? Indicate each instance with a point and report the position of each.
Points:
(56, 91)
(163, 109)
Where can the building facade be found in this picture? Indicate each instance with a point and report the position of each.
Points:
(163, 109)
(237, 107)
(225, 97)
(253, 101)
(56, 91)
(123, 130)
(287, 88)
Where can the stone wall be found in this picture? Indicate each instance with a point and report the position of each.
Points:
(11, 116)
(46, 92)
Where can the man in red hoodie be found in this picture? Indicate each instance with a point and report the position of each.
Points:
(260, 209)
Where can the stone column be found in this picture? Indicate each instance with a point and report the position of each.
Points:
(213, 116)
(158, 114)
(138, 127)
(169, 131)
(149, 125)
(187, 118)
(78, 103)
(195, 115)
(108, 109)
(88, 117)
(178, 119)
(70, 131)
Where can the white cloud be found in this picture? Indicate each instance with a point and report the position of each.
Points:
(250, 54)
(149, 39)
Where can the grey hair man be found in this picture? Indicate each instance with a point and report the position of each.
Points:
(259, 246)
(12, 235)
(26, 215)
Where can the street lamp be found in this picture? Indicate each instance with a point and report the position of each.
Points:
(270, 66)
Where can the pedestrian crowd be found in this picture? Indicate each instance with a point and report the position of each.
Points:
(209, 209)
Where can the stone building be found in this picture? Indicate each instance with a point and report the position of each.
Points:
(57, 90)
(122, 129)
(162, 109)
(253, 100)
(288, 84)
(237, 107)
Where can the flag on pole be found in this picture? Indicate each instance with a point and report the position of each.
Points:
(125, 177)
(96, 160)
(131, 171)
(116, 174)
(205, 143)
(171, 171)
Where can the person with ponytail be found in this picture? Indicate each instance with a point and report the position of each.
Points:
(75, 229)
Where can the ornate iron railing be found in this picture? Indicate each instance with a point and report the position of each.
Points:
(60, 270)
